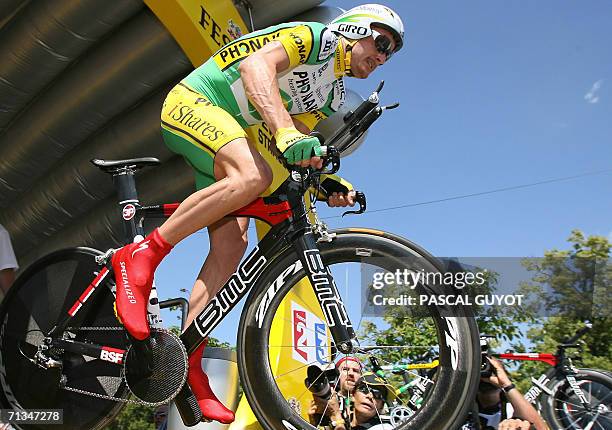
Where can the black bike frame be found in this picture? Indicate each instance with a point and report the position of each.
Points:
(561, 364)
(294, 231)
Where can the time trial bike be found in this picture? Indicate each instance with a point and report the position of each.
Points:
(62, 346)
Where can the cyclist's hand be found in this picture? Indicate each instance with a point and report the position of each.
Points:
(511, 424)
(341, 199)
(298, 148)
(317, 405)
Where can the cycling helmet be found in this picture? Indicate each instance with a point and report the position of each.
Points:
(356, 23)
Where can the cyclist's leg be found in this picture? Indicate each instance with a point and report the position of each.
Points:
(205, 135)
(247, 175)
(228, 241)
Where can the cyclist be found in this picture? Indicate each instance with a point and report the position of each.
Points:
(288, 76)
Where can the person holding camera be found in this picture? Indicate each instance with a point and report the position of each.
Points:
(497, 391)
(332, 399)
(368, 402)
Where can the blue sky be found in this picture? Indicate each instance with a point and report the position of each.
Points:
(493, 94)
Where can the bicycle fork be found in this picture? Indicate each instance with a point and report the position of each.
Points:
(571, 379)
(326, 292)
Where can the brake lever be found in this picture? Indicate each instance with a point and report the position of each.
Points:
(361, 199)
(332, 156)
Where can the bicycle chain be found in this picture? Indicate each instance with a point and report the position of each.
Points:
(105, 396)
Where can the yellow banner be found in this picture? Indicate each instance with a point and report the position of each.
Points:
(191, 22)
(201, 28)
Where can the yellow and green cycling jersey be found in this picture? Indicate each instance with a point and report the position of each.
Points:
(312, 83)
(210, 108)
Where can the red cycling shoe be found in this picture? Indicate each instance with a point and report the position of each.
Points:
(134, 266)
(210, 405)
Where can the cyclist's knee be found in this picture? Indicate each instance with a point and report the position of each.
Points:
(265, 176)
(253, 180)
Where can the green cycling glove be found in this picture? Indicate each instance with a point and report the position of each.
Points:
(296, 146)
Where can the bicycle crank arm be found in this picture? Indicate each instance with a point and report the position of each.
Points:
(106, 353)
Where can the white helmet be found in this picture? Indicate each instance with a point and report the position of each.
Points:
(355, 23)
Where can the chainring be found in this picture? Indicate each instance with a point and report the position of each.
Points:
(169, 369)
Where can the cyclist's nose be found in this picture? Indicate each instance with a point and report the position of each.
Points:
(380, 58)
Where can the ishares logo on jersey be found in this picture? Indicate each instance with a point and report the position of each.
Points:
(310, 343)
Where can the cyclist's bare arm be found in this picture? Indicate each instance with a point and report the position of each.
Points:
(302, 128)
(258, 73)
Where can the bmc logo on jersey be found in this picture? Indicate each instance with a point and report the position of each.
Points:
(329, 43)
(112, 355)
(310, 342)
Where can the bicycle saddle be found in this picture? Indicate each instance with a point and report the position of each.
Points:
(110, 166)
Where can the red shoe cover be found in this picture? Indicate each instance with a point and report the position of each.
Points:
(134, 266)
(211, 407)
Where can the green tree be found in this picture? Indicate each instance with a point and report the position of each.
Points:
(563, 281)
(133, 417)
(573, 285)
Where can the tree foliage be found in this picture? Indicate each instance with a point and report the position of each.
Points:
(573, 282)
(574, 286)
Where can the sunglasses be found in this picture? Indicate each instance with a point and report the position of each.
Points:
(376, 393)
(382, 44)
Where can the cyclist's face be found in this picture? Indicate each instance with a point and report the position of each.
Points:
(366, 57)
(350, 372)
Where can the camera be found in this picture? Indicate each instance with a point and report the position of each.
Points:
(486, 370)
(318, 381)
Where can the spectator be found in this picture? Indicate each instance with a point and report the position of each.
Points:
(501, 406)
(349, 371)
(160, 417)
(369, 399)
(8, 262)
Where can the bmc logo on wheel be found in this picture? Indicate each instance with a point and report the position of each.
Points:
(111, 354)
(310, 343)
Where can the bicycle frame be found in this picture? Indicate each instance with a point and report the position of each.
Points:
(561, 364)
(291, 231)
(287, 214)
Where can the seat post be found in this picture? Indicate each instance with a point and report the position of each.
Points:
(125, 184)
